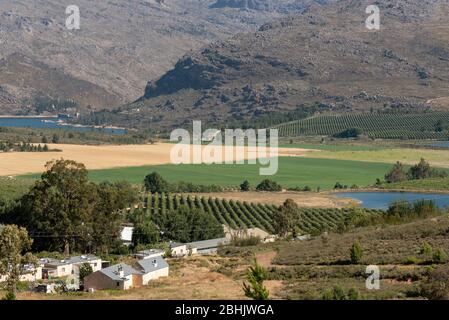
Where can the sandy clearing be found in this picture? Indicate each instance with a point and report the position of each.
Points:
(110, 156)
(303, 199)
(265, 259)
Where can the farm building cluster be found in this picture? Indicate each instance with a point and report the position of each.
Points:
(149, 265)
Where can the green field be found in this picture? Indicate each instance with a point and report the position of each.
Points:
(293, 172)
(11, 189)
(333, 147)
(432, 125)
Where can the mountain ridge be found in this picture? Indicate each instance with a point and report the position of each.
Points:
(323, 55)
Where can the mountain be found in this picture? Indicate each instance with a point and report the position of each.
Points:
(121, 45)
(321, 56)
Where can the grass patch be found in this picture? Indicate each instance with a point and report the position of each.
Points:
(293, 172)
(436, 184)
(437, 158)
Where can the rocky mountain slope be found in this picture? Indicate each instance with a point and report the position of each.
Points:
(323, 56)
(120, 46)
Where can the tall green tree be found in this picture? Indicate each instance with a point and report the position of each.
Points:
(254, 288)
(154, 183)
(85, 270)
(59, 206)
(145, 232)
(14, 256)
(187, 224)
(107, 217)
(285, 218)
(67, 212)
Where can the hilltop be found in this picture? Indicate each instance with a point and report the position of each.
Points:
(119, 47)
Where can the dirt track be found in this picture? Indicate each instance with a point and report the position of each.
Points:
(102, 157)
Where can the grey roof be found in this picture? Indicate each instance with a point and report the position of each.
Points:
(71, 260)
(113, 273)
(149, 252)
(176, 244)
(207, 244)
(153, 264)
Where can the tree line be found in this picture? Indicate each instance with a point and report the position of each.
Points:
(65, 212)
(421, 170)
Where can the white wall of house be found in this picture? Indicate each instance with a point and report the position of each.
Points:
(95, 264)
(146, 278)
(179, 251)
(59, 271)
(27, 277)
(128, 283)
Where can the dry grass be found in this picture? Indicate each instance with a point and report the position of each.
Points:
(108, 156)
(194, 278)
(303, 199)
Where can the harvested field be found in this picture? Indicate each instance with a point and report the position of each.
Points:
(107, 156)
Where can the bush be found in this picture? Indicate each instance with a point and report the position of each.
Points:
(245, 186)
(439, 256)
(338, 185)
(245, 242)
(349, 133)
(154, 183)
(412, 260)
(422, 170)
(356, 253)
(436, 287)
(268, 185)
(338, 293)
(426, 250)
(397, 174)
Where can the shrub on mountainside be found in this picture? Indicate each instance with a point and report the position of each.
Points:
(269, 185)
(439, 256)
(406, 211)
(436, 287)
(356, 253)
(338, 293)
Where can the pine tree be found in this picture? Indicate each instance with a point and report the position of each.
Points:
(356, 253)
(254, 288)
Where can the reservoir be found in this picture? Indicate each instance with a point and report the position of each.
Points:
(381, 200)
(53, 123)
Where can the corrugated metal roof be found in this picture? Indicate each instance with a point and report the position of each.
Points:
(206, 244)
(153, 264)
(113, 271)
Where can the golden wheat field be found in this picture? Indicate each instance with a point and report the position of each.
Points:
(112, 156)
